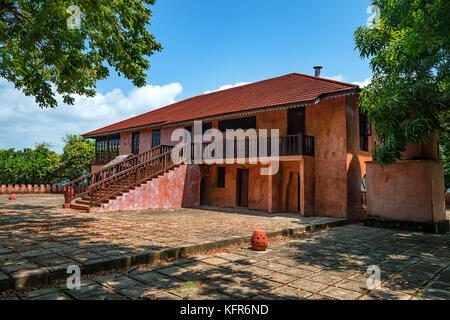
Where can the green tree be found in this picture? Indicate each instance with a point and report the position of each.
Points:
(409, 56)
(78, 155)
(42, 56)
(30, 166)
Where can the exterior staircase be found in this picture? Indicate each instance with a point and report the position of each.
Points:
(114, 180)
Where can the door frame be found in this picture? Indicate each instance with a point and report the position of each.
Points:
(240, 185)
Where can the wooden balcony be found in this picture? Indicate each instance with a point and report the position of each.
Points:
(292, 145)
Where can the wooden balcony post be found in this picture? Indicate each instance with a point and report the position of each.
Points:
(300, 143)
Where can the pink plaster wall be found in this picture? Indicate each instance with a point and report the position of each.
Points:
(406, 191)
(175, 189)
(96, 167)
(145, 140)
(125, 142)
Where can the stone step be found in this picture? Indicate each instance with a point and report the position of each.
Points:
(79, 207)
(85, 202)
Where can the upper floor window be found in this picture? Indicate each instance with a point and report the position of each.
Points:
(206, 126)
(365, 131)
(106, 148)
(136, 138)
(156, 138)
(235, 124)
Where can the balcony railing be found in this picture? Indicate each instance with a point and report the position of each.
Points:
(103, 157)
(292, 145)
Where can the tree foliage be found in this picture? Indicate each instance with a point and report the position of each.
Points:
(409, 56)
(78, 155)
(41, 55)
(29, 166)
(43, 166)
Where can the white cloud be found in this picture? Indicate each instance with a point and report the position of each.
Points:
(339, 77)
(364, 83)
(23, 123)
(228, 86)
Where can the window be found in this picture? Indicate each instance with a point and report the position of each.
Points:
(206, 126)
(156, 138)
(241, 123)
(221, 177)
(188, 136)
(135, 147)
(106, 148)
(365, 131)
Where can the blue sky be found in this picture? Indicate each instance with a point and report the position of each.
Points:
(207, 44)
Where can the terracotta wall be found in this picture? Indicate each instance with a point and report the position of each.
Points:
(277, 193)
(177, 188)
(406, 191)
(423, 150)
(37, 188)
(226, 197)
(356, 160)
(326, 121)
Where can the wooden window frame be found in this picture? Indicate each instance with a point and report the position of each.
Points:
(238, 123)
(365, 131)
(135, 142)
(107, 148)
(158, 143)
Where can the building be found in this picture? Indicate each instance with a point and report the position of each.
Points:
(324, 142)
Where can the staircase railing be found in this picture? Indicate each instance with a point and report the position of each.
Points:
(129, 178)
(80, 186)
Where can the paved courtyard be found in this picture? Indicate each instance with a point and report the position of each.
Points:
(324, 265)
(39, 239)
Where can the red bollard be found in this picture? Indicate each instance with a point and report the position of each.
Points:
(12, 197)
(259, 240)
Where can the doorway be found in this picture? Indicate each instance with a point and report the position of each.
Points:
(296, 121)
(203, 191)
(293, 193)
(242, 187)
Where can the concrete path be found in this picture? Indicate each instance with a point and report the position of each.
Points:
(324, 265)
(39, 239)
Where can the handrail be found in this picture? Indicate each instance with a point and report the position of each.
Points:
(80, 186)
(291, 145)
(129, 178)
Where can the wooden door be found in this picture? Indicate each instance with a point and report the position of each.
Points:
(242, 187)
(296, 120)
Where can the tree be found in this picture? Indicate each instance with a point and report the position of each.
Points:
(43, 52)
(29, 166)
(409, 56)
(78, 155)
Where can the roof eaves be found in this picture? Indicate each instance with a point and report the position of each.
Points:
(107, 133)
(322, 97)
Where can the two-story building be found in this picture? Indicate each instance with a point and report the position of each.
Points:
(324, 141)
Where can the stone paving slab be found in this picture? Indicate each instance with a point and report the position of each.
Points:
(246, 274)
(39, 239)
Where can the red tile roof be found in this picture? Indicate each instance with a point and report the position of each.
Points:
(288, 89)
